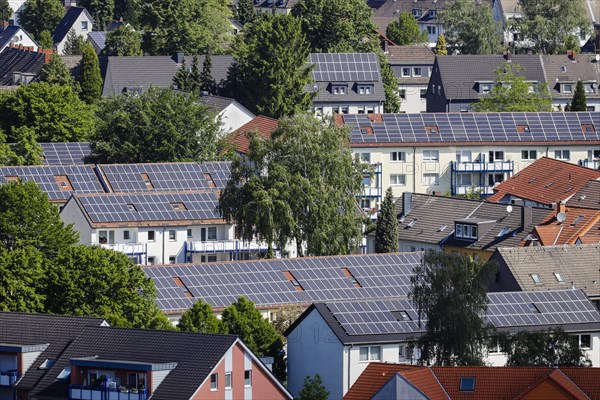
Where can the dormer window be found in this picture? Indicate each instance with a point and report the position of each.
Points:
(338, 89)
(365, 89)
(465, 231)
(432, 13)
(416, 12)
(566, 88)
(485, 88)
(590, 87)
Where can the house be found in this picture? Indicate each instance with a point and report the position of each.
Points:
(567, 225)
(232, 114)
(473, 227)
(16, 36)
(545, 182)
(338, 340)
(16, 6)
(77, 19)
(261, 125)
(271, 6)
(346, 83)
(98, 40)
(462, 153)
(395, 381)
(19, 66)
(548, 268)
(412, 66)
(587, 197)
(64, 153)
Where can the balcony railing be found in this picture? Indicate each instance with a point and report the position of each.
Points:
(8, 378)
(221, 246)
(81, 392)
(126, 248)
(482, 190)
(594, 164)
(475, 166)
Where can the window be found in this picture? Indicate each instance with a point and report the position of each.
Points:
(343, 110)
(64, 374)
(136, 380)
(366, 181)
(365, 204)
(63, 182)
(208, 258)
(431, 155)
(172, 235)
(416, 12)
(401, 352)
(84, 25)
(106, 237)
(423, 93)
(465, 231)
(464, 180)
(172, 259)
(364, 89)
(504, 231)
(567, 88)
(370, 109)
(495, 178)
(178, 206)
(485, 88)
(370, 353)
(151, 260)
(467, 384)
(589, 88)
(432, 129)
(214, 382)
(397, 179)
(147, 181)
(585, 341)
(405, 72)
(189, 233)
(593, 154)
(417, 71)
(398, 156)
(528, 155)
(463, 156)
(363, 157)
(432, 13)
(533, 308)
(536, 278)
(227, 380)
(151, 236)
(431, 179)
(361, 109)
(559, 277)
(562, 154)
(432, 30)
(496, 156)
(402, 93)
(248, 378)
(212, 233)
(126, 235)
(319, 110)
(339, 90)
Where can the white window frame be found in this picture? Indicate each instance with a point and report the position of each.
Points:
(369, 352)
(363, 157)
(397, 179)
(464, 156)
(211, 233)
(214, 383)
(417, 74)
(528, 154)
(431, 179)
(431, 30)
(431, 155)
(565, 86)
(402, 93)
(404, 70)
(228, 380)
(591, 341)
(460, 180)
(248, 378)
(109, 234)
(562, 154)
(172, 235)
(397, 156)
(84, 25)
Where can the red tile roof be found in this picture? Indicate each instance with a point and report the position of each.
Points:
(580, 224)
(558, 382)
(546, 181)
(262, 125)
(374, 377)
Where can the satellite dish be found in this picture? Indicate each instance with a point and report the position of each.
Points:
(509, 208)
(561, 216)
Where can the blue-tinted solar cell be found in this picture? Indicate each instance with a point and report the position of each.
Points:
(65, 153)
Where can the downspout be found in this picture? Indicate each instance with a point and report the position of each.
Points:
(163, 244)
(414, 169)
(348, 385)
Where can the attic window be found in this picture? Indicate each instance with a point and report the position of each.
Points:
(178, 206)
(63, 183)
(210, 180)
(366, 130)
(467, 384)
(549, 184)
(523, 129)
(147, 180)
(577, 220)
(533, 308)
(536, 278)
(588, 128)
(182, 285)
(48, 363)
(401, 315)
(432, 129)
(12, 179)
(442, 228)
(290, 277)
(131, 207)
(559, 277)
(348, 274)
(64, 374)
(504, 231)
(563, 69)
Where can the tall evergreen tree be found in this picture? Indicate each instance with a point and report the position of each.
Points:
(74, 44)
(245, 11)
(101, 11)
(440, 46)
(194, 76)
(41, 15)
(181, 80)
(386, 234)
(56, 71)
(579, 102)
(207, 83)
(390, 84)
(90, 79)
(6, 11)
(406, 30)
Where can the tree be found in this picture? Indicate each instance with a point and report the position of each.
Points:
(53, 112)
(406, 31)
(550, 27)
(5, 10)
(26, 150)
(194, 76)
(286, 315)
(313, 389)
(56, 72)
(511, 93)
(41, 15)
(101, 11)
(191, 26)
(440, 46)
(390, 85)
(386, 234)
(21, 278)
(553, 347)
(200, 318)
(270, 74)
(123, 41)
(207, 82)
(45, 40)
(128, 10)
(181, 80)
(470, 28)
(449, 290)
(579, 102)
(73, 44)
(160, 125)
(298, 186)
(90, 79)
(245, 12)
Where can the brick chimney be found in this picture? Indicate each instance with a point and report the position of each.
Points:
(571, 54)
(562, 208)
(47, 54)
(507, 56)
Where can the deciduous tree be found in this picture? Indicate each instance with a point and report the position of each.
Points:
(440, 46)
(101, 11)
(285, 317)
(386, 234)
(56, 72)
(45, 40)
(128, 10)
(90, 79)
(406, 31)
(21, 280)
(41, 15)
(123, 41)
(200, 318)
(313, 389)
(579, 102)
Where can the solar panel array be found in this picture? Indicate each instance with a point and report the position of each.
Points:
(81, 177)
(264, 281)
(345, 67)
(128, 178)
(475, 127)
(65, 153)
(150, 207)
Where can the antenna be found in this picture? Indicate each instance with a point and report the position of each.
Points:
(561, 216)
(509, 208)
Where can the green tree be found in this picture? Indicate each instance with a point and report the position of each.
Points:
(406, 31)
(285, 317)
(192, 26)
(450, 291)
(41, 15)
(101, 11)
(552, 347)
(45, 40)
(6, 12)
(181, 80)
(161, 125)
(299, 186)
(390, 85)
(270, 72)
(74, 44)
(54, 112)
(123, 41)
(200, 318)
(470, 28)
(313, 389)
(195, 76)
(56, 72)
(386, 234)
(550, 27)
(579, 102)
(26, 150)
(128, 10)
(245, 12)
(90, 79)
(207, 82)
(440, 46)
(22, 273)
(511, 93)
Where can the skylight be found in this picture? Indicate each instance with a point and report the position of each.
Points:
(558, 277)
(578, 220)
(504, 231)
(64, 374)
(412, 223)
(467, 384)
(533, 308)
(536, 278)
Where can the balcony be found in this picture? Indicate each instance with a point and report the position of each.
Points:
(594, 164)
(81, 392)
(225, 246)
(482, 190)
(126, 248)
(476, 166)
(8, 378)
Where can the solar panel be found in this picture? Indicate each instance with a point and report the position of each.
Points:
(65, 153)
(345, 67)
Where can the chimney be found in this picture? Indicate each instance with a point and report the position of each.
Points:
(178, 57)
(4, 25)
(47, 54)
(562, 208)
(507, 55)
(385, 47)
(406, 202)
(571, 54)
(526, 216)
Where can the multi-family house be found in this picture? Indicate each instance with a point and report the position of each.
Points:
(412, 66)
(77, 19)
(16, 36)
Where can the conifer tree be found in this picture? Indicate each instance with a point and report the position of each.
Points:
(386, 234)
(194, 76)
(90, 79)
(56, 71)
(579, 102)
(440, 46)
(245, 11)
(207, 83)
(406, 31)
(5, 10)
(45, 40)
(74, 44)
(181, 78)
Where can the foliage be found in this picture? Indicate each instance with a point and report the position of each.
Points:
(56, 72)
(74, 44)
(245, 12)
(41, 15)
(405, 30)
(5, 10)
(553, 347)
(26, 150)
(299, 186)
(200, 318)
(207, 82)
(550, 27)
(191, 26)
(313, 389)
(20, 283)
(579, 102)
(386, 234)
(472, 193)
(53, 112)
(194, 77)
(511, 93)
(449, 291)
(45, 40)
(161, 125)
(100, 10)
(286, 315)
(440, 46)
(390, 85)
(128, 10)
(123, 41)
(270, 75)
(181, 78)
(470, 28)
(90, 79)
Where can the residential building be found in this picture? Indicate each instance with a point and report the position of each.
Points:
(338, 340)
(382, 381)
(412, 66)
(346, 83)
(567, 225)
(98, 40)
(232, 114)
(548, 268)
(16, 36)
(77, 19)
(271, 6)
(16, 6)
(19, 66)
(587, 197)
(260, 125)
(65, 153)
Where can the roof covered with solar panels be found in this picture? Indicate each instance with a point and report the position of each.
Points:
(277, 282)
(65, 153)
(435, 129)
(148, 209)
(394, 319)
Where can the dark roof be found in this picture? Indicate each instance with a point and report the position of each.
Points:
(33, 329)
(195, 354)
(216, 103)
(98, 40)
(8, 33)
(588, 196)
(14, 60)
(66, 23)
(260, 124)
(561, 68)
(114, 25)
(410, 55)
(388, 11)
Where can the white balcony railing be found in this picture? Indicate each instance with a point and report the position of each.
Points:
(221, 246)
(371, 191)
(488, 190)
(487, 167)
(77, 392)
(127, 248)
(594, 164)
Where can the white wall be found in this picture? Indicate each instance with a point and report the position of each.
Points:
(234, 117)
(77, 27)
(22, 38)
(412, 101)
(353, 108)
(16, 6)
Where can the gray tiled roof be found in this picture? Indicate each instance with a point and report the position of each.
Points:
(578, 265)
(217, 103)
(581, 68)
(98, 40)
(14, 60)
(410, 55)
(7, 34)
(587, 197)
